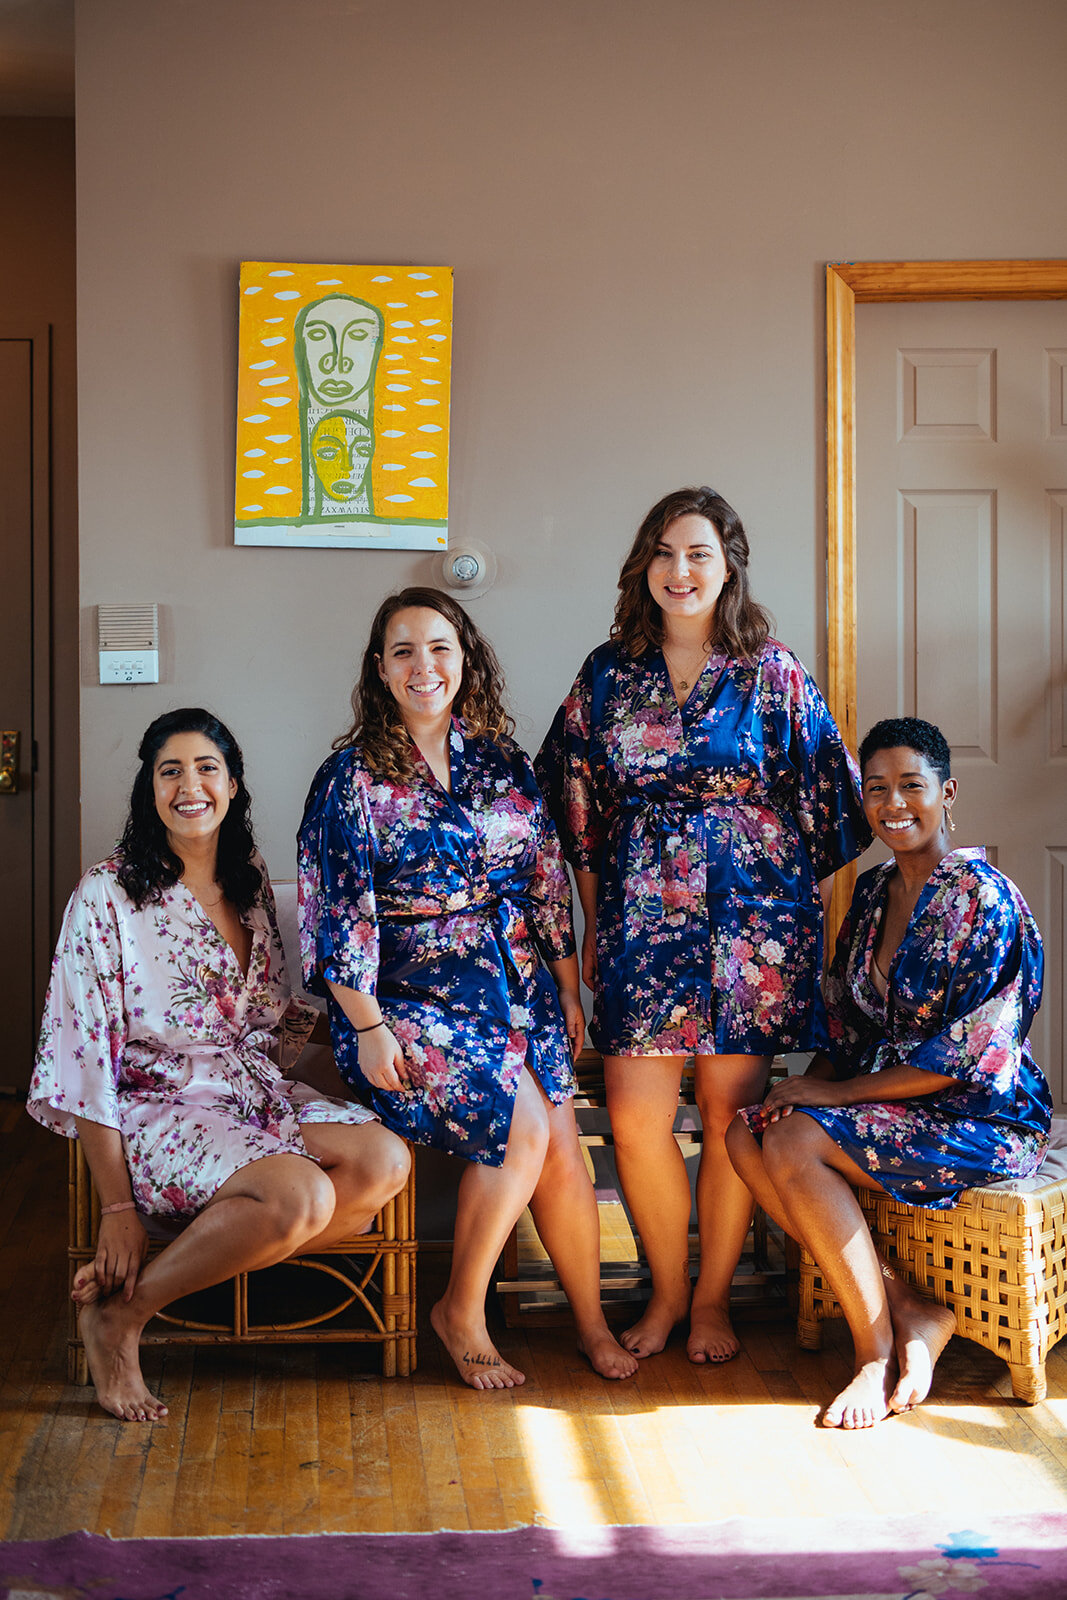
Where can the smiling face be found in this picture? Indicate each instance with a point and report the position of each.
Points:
(905, 801)
(192, 788)
(421, 665)
(688, 569)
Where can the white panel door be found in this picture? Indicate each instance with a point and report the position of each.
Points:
(961, 563)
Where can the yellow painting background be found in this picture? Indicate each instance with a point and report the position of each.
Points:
(412, 387)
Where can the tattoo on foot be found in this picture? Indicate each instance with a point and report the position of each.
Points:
(480, 1361)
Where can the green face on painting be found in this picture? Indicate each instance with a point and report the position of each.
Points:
(341, 449)
(338, 341)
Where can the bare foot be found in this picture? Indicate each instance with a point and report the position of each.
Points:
(478, 1361)
(111, 1346)
(711, 1337)
(921, 1330)
(651, 1332)
(605, 1354)
(866, 1400)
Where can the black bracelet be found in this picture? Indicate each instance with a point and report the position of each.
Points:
(371, 1027)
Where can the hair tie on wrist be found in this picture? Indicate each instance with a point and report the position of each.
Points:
(370, 1027)
(121, 1205)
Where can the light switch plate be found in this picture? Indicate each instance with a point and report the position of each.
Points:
(129, 666)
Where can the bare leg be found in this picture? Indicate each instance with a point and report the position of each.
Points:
(921, 1328)
(724, 1205)
(564, 1211)
(803, 1162)
(491, 1200)
(262, 1214)
(642, 1097)
(367, 1165)
(746, 1156)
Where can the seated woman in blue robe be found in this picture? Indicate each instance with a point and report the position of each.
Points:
(436, 920)
(927, 1087)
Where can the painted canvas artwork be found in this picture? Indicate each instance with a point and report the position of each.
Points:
(343, 405)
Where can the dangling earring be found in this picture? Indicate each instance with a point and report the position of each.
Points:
(948, 819)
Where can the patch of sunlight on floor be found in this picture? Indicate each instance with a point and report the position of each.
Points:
(556, 1462)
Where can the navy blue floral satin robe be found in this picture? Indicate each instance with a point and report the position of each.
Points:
(444, 906)
(962, 992)
(710, 826)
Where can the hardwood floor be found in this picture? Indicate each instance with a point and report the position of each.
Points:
(293, 1440)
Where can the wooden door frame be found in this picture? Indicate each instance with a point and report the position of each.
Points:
(37, 756)
(849, 283)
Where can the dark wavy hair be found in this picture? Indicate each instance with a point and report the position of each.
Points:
(146, 863)
(909, 733)
(377, 726)
(741, 625)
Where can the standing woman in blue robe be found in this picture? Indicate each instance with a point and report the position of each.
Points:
(927, 1086)
(436, 920)
(705, 800)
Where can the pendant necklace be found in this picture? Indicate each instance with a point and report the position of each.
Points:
(684, 683)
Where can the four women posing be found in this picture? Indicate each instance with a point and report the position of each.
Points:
(704, 799)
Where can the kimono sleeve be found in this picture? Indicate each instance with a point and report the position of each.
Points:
(299, 1017)
(83, 1031)
(564, 771)
(550, 894)
(994, 982)
(335, 883)
(827, 803)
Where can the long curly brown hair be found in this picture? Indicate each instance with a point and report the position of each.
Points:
(741, 626)
(377, 726)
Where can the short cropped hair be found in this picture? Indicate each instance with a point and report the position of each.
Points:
(909, 733)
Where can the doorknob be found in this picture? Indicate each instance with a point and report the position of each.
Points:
(9, 761)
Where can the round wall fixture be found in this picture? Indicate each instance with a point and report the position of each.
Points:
(465, 571)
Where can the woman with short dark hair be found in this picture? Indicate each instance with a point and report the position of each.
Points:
(927, 1086)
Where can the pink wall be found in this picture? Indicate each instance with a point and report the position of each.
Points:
(638, 202)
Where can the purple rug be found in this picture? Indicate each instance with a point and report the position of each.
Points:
(876, 1558)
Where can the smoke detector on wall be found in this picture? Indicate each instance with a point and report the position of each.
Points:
(465, 571)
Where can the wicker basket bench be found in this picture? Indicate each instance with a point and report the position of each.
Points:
(998, 1260)
(367, 1284)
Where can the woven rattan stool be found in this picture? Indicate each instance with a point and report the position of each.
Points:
(998, 1260)
(365, 1289)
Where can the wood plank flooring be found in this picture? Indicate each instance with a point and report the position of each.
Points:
(298, 1440)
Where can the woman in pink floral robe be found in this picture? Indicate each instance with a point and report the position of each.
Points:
(168, 1003)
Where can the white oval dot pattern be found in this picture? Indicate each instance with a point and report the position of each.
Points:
(407, 478)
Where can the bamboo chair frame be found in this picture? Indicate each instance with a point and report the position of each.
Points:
(374, 1273)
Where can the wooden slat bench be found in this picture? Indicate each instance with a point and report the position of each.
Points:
(529, 1290)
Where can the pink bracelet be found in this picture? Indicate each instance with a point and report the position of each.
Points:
(122, 1205)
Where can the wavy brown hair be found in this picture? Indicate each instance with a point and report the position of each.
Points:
(741, 626)
(377, 726)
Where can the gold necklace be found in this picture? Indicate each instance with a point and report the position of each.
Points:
(683, 683)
